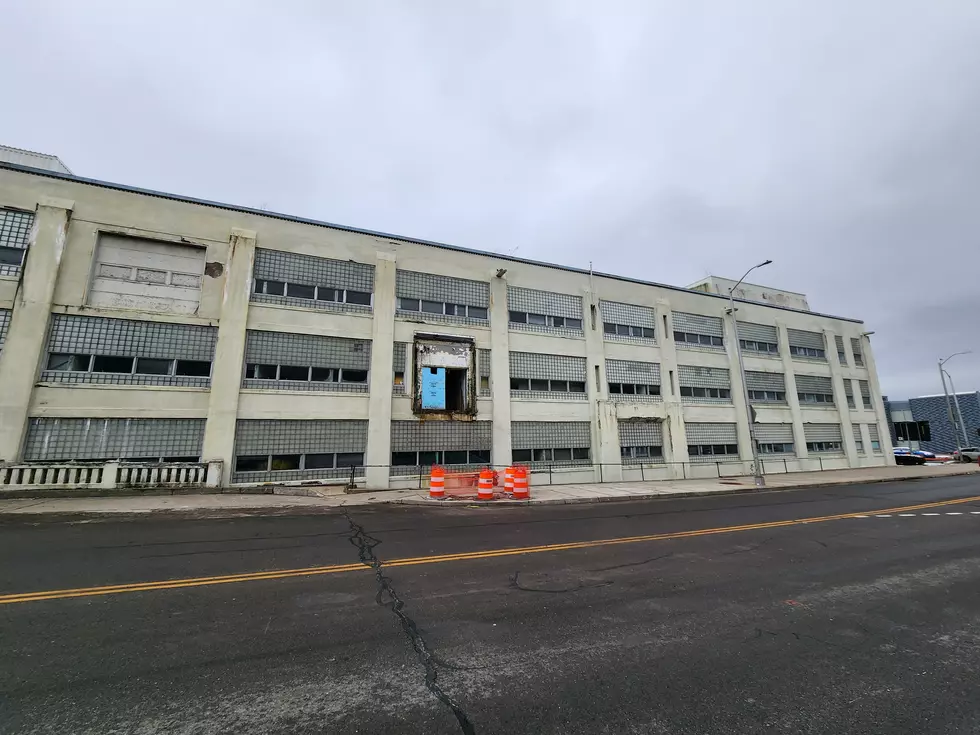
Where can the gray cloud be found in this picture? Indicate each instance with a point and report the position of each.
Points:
(669, 140)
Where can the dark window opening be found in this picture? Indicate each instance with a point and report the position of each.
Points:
(285, 461)
(479, 456)
(456, 456)
(252, 464)
(519, 384)
(153, 366)
(538, 384)
(432, 307)
(110, 364)
(427, 458)
(521, 455)
(576, 386)
(300, 291)
(294, 372)
(913, 431)
(318, 461)
(323, 375)
(11, 256)
(399, 377)
(518, 317)
(75, 363)
(478, 312)
(359, 297)
(323, 293)
(350, 459)
(354, 376)
(455, 389)
(199, 368)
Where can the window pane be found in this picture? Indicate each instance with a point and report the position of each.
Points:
(647, 332)
(251, 464)
(679, 336)
(654, 390)
(11, 256)
(329, 375)
(539, 319)
(285, 461)
(432, 307)
(318, 461)
(704, 339)
(641, 451)
(629, 389)
(693, 450)
(404, 459)
(78, 363)
(642, 390)
(521, 455)
(477, 312)
(427, 458)
(110, 364)
(481, 455)
(350, 459)
(615, 388)
(153, 366)
(518, 317)
(687, 391)
(277, 288)
(485, 382)
(576, 386)
(562, 455)
(608, 328)
(559, 386)
(455, 456)
(262, 372)
(326, 293)
(399, 378)
(541, 455)
(558, 321)
(626, 452)
(623, 330)
(656, 451)
(353, 376)
(409, 304)
(537, 384)
(454, 310)
(197, 368)
(359, 297)
(580, 453)
(573, 323)
(300, 291)
(293, 372)
(519, 384)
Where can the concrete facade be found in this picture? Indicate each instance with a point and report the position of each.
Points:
(297, 361)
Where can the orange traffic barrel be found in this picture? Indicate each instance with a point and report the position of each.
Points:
(509, 480)
(437, 482)
(484, 491)
(521, 491)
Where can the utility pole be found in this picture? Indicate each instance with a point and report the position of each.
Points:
(760, 479)
(949, 408)
(942, 376)
(959, 414)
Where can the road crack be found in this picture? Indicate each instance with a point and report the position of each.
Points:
(388, 597)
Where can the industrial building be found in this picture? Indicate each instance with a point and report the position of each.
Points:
(932, 422)
(153, 328)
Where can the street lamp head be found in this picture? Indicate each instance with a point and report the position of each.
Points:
(964, 352)
(763, 263)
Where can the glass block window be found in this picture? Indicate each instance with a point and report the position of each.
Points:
(88, 349)
(711, 442)
(4, 325)
(641, 442)
(628, 322)
(857, 352)
(775, 439)
(849, 393)
(694, 331)
(760, 339)
(399, 361)
(94, 439)
(841, 353)
(280, 450)
(814, 390)
(534, 375)
(290, 361)
(823, 438)
(15, 237)
(442, 298)
(806, 345)
(858, 439)
(865, 388)
(704, 384)
(764, 387)
(483, 362)
(417, 445)
(631, 380)
(875, 438)
(308, 281)
(551, 443)
(544, 311)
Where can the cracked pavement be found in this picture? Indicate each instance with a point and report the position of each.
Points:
(855, 625)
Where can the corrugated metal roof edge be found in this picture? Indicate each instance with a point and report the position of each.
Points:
(416, 241)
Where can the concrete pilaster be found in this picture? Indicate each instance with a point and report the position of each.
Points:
(500, 372)
(742, 414)
(23, 349)
(840, 400)
(675, 436)
(378, 455)
(876, 401)
(789, 372)
(229, 353)
(602, 413)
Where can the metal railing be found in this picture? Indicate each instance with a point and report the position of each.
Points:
(109, 475)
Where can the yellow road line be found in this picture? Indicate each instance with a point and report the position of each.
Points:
(438, 559)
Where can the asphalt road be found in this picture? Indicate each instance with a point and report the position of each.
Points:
(703, 615)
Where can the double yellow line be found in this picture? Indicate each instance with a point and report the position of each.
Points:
(172, 584)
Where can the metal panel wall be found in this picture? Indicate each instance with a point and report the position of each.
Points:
(814, 384)
(60, 439)
(802, 338)
(546, 367)
(758, 332)
(550, 434)
(698, 324)
(822, 432)
(757, 380)
(632, 371)
(774, 433)
(705, 433)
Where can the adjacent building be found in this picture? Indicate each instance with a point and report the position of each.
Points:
(149, 327)
(932, 422)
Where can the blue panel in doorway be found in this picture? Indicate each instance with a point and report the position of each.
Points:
(433, 388)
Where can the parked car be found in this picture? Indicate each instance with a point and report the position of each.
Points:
(967, 454)
(903, 455)
(923, 453)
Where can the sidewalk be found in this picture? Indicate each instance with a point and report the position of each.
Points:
(230, 505)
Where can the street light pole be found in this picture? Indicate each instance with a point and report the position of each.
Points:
(943, 374)
(760, 479)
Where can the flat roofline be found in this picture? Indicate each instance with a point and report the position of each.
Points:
(943, 395)
(746, 283)
(401, 238)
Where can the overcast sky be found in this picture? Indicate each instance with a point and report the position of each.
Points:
(661, 140)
